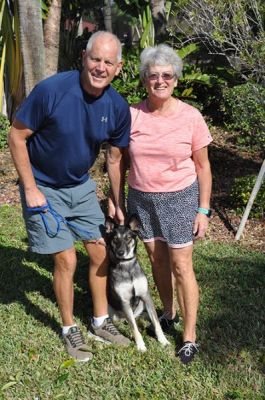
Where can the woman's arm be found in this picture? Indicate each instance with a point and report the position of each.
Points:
(203, 170)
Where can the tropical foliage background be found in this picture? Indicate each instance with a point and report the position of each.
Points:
(222, 43)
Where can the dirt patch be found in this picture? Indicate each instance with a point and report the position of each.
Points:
(8, 180)
(228, 163)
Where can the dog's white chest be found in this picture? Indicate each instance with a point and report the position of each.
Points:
(138, 285)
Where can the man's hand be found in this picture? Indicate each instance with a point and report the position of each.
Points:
(119, 216)
(34, 198)
(115, 212)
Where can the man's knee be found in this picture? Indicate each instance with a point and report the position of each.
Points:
(65, 261)
(97, 251)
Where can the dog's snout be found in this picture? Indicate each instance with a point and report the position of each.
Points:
(120, 253)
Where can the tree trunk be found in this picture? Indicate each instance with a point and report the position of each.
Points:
(31, 38)
(52, 37)
(107, 15)
(159, 19)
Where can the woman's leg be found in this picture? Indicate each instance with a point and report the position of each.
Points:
(187, 289)
(162, 274)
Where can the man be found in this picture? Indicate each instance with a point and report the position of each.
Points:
(54, 140)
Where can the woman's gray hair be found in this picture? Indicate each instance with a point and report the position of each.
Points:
(160, 55)
(106, 34)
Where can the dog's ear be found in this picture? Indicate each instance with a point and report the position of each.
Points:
(133, 223)
(109, 224)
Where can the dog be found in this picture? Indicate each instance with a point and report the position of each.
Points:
(128, 293)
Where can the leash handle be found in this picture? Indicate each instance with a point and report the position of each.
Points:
(43, 210)
(38, 209)
(47, 208)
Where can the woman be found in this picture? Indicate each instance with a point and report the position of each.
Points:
(170, 186)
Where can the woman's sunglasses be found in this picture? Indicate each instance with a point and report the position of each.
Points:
(166, 76)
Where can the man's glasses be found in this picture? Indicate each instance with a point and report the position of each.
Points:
(166, 76)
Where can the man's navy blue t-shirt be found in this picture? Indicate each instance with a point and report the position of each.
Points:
(69, 127)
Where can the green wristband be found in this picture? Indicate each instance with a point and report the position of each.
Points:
(205, 211)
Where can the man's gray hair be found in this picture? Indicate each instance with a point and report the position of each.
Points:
(105, 34)
(160, 55)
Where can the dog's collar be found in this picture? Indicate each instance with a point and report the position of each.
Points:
(124, 259)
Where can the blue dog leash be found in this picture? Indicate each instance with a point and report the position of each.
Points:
(58, 218)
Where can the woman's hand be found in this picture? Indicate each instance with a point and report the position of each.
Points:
(200, 226)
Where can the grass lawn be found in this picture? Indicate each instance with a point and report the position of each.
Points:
(231, 331)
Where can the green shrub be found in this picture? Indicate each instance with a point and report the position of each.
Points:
(244, 111)
(240, 194)
(127, 83)
(4, 129)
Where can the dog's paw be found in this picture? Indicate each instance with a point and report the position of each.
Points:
(141, 347)
(164, 342)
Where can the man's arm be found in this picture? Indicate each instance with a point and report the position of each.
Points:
(115, 166)
(17, 144)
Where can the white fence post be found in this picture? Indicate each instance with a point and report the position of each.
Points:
(251, 200)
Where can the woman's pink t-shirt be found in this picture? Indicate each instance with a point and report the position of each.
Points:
(161, 148)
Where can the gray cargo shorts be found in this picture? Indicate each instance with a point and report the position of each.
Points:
(77, 205)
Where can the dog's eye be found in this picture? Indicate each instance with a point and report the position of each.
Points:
(128, 239)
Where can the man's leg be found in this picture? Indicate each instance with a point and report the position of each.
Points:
(97, 276)
(64, 269)
(104, 331)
